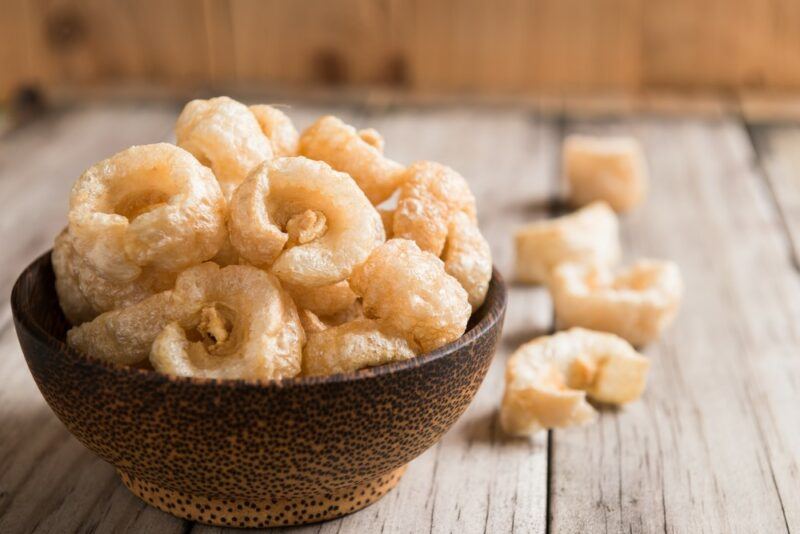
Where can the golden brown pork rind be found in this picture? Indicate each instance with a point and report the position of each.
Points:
(637, 303)
(352, 346)
(589, 235)
(225, 136)
(343, 148)
(611, 169)
(281, 190)
(408, 291)
(549, 378)
(147, 206)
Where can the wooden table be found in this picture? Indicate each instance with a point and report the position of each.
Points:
(714, 445)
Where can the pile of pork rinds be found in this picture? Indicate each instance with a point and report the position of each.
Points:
(606, 310)
(248, 250)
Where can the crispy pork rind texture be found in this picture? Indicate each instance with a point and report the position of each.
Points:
(468, 258)
(409, 292)
(311, 224)
(343, 148)
(83, 294)
(279, 129)
(611, 169)
(224, 135)
(324, 301)
(243, 325)
(589, 235)
(352, 346)
(637, 303)
(147, 206)
(430, 196)
(548, 379)
(231, 322)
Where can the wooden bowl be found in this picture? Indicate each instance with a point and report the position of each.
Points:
(247, 453)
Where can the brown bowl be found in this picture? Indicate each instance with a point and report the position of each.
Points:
(247, 453)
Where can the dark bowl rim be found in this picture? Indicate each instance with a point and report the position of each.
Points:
(498, 292)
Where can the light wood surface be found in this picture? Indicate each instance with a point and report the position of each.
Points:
(422, 45)
(714, 445)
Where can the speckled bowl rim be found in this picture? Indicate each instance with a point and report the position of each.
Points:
(496, 300)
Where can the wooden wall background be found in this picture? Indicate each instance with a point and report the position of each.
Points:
(501, 46)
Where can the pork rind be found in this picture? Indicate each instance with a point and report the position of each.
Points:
(549, 378)
(125, 336)
(325, 301)
(589, 235)
(611, 169)
(637, 303)
(468, 258)
(231, 322)
(147, 206)
(333, 224)
(343, 148)
(225, 136)
(278, 128)
(430, 195)
(83, 294)
(409, 292)
(352, 346)
(243, 325)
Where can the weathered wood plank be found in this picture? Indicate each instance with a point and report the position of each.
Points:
(712, 446)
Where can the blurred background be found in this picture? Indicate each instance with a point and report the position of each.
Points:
(617, 50)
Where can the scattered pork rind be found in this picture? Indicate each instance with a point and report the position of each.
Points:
(430, 195)
(409, 292)
(243, 325)
(278, 128)
(147, 206)
(637, 303)
(333, 224)
(549, 378)
(83, 294)
(224, 135)
(589, 235)
(611, 169)
(343, 148)
(352, 346)
(468, 258)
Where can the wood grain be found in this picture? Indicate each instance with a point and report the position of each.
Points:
(506, 46)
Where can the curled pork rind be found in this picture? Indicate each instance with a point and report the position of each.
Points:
(343, 148)
(224, 135)
(278, 128)
(637, 304)
(83, 294)
(125, 336)
(231, 322)
(589, 235)
(147, 206)
(468, 258)
(243, 325)
(408, 291)
(332, 224)
(548, 379)
(611, 169)
(352, 346)
(430, 195)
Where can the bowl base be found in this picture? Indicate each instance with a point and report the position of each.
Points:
(271, 512)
